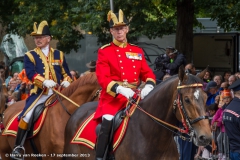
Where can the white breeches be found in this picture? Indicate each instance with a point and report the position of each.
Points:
(42, 99)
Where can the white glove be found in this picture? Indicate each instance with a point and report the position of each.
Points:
(65, 84)
(126, 92)
(49, 83)
(147, 88)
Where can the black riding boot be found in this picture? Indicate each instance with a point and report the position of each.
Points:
(17, 151)
(103, 139)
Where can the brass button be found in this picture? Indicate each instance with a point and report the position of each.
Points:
(132, 60)
(120, 61)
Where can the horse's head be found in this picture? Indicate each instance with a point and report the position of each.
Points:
(193, 100)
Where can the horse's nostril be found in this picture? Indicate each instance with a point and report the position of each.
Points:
(204, 139)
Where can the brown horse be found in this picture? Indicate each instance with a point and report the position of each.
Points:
(50, 139)
(3, 96)
(145, 139)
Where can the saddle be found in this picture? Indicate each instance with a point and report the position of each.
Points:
(37, 113)
(117, 120)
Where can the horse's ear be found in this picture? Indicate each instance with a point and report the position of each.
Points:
(201, 74)
(181, 73)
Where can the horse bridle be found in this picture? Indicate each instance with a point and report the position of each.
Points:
(187, 123)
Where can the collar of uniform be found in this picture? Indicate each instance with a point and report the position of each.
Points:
(120, 44)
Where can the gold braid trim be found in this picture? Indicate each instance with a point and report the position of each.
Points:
(152, 80)
(30, 56)
(38, 81)
(109, 87)
(51, 68)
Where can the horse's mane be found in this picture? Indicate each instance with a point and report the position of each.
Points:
(193, 79)
(190, 80)
(88, 79)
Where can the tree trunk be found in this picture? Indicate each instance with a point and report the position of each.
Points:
(184, 34)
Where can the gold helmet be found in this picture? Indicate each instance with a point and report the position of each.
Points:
(41, 29)
(117, 19)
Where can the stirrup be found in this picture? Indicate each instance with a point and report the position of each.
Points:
(16, 154)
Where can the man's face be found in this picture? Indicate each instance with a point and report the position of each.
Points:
(231, 79)
(120, 33)
(170, 54)
(226, 76)
(217, 79)
(192, 69)
(42, 41)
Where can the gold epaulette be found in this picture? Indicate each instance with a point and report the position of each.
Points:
(134, 45)
(106, 45)
(30, 56)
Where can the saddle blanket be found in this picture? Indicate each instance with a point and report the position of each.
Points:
(86, 135)
(12, 126)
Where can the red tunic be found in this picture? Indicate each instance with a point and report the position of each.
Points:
(116, 64)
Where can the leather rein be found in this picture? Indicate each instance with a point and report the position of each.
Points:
(187, 123)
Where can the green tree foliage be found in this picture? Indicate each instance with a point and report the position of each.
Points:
(21, 14)
(153, 18)
(226, 12)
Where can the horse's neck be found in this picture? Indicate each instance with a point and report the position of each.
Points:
(81, 95)
(160, 104)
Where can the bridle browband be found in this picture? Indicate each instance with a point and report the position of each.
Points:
(187, 123)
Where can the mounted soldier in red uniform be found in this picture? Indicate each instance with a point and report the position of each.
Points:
(121, 67)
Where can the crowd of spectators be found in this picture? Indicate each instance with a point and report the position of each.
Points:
(218, 97)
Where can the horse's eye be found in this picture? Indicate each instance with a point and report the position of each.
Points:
(186, 99)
